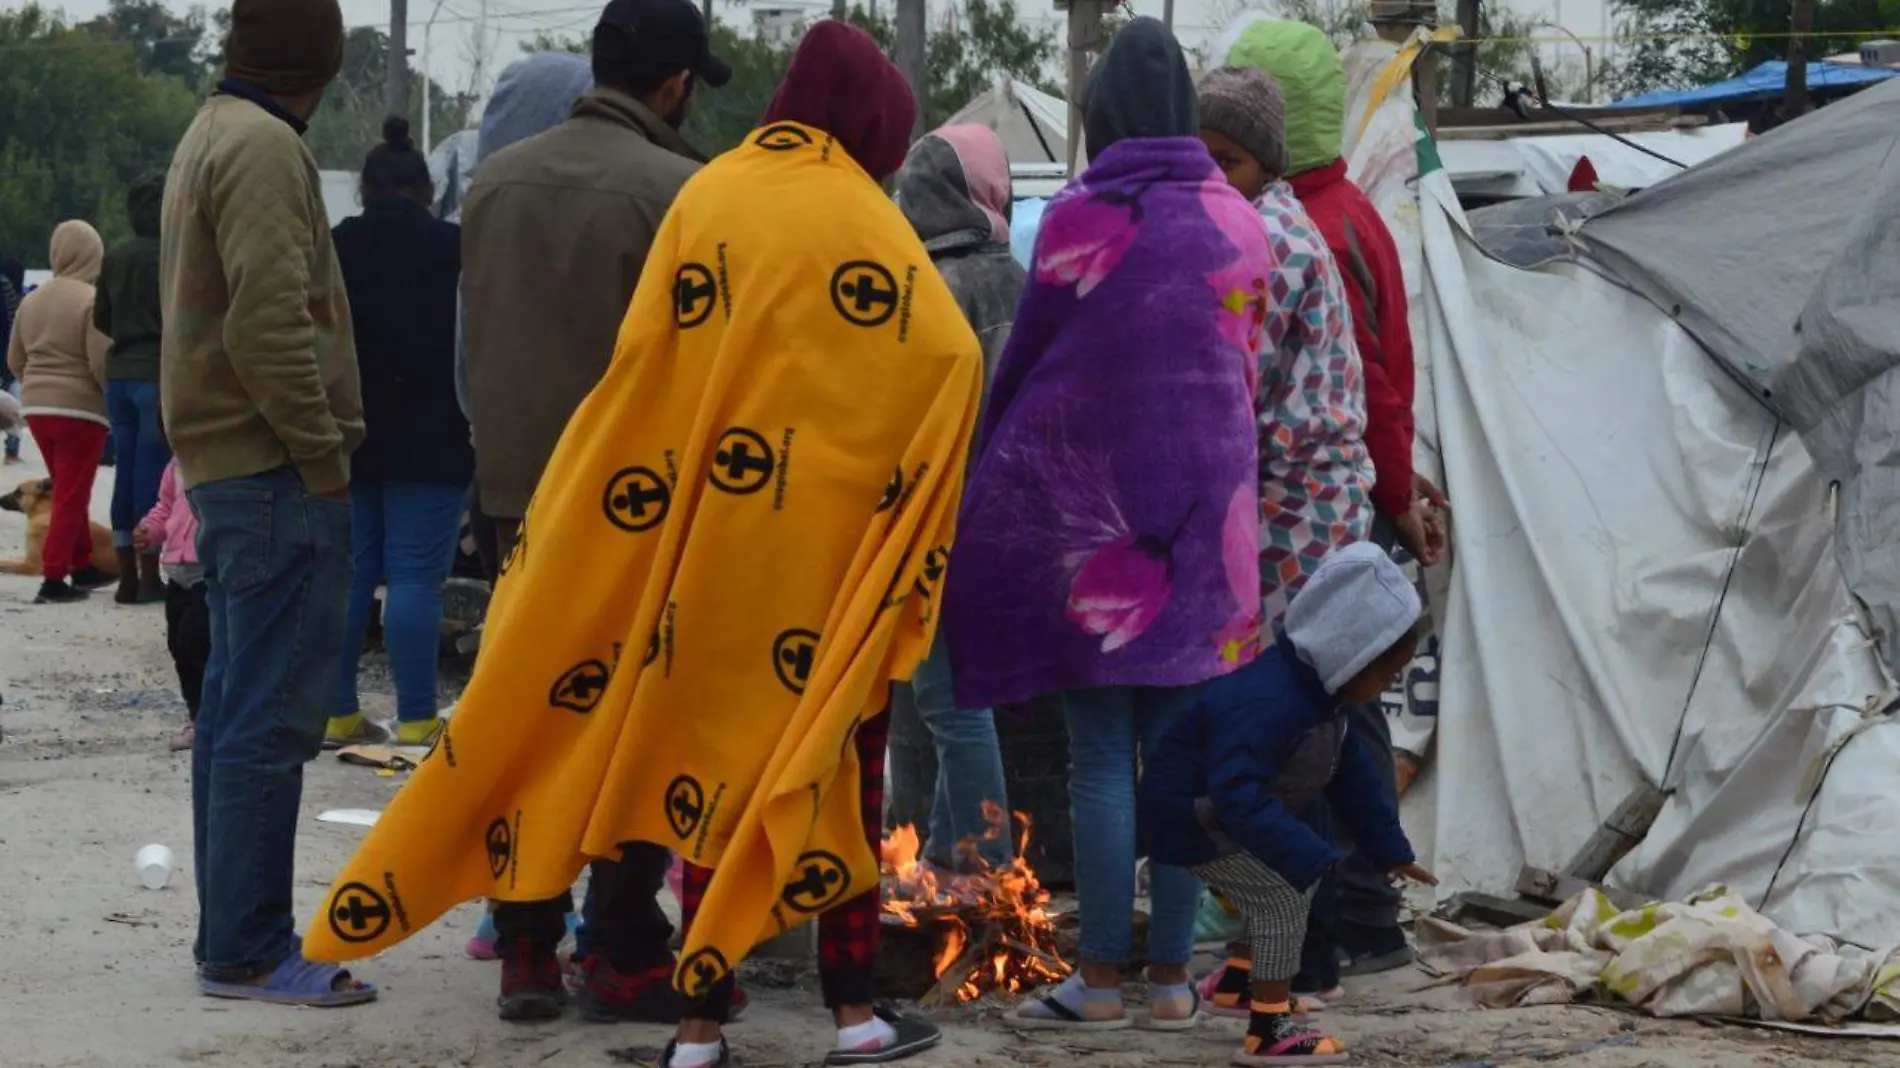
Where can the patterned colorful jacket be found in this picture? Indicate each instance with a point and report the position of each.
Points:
(1315, 474)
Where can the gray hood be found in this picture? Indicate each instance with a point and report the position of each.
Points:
(534, 94)
(1353, 610)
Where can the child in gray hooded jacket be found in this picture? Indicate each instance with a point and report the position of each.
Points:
(1225, 792)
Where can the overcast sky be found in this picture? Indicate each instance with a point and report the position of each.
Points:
(454, 42)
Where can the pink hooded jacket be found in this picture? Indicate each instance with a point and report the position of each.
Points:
(171, 524)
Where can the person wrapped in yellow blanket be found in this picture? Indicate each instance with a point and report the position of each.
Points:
(736, 548)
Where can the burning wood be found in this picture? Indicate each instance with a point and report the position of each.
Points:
(990, 930)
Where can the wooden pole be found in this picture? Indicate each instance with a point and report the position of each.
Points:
(1794, 101)
(1464, 82)
(396, 77)
(1085, 33)
(911, 53)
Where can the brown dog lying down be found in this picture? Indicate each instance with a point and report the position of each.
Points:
(35, 498)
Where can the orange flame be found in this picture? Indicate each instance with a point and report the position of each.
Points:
(1014, 935)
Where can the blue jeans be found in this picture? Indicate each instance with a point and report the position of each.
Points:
(1108, 728)
(139, 451)
(403, 536)
(277, 564)
(969, 768)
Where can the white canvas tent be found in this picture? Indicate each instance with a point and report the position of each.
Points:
(1646, 587)
(1033, 126)
(1536, 166)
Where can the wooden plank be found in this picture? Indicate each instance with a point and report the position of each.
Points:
(1490, 910)
(1622, 832)
(1498, 115)
(1565, 126)
(1555, 888)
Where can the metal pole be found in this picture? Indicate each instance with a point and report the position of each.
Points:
(1167, 15)
(911, 51)
(428, 32)
(705, 11)
(396, 78)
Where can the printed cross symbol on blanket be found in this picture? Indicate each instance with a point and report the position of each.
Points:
(702, 971)
(501, 846)
(743, 462)
(792, 656)
(822, 879)
(580, 687)
(685, 805)
(637, 499)
(358, 914)
(694, 294)
(865, 293)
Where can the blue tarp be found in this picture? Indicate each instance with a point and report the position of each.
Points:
(1763, 83)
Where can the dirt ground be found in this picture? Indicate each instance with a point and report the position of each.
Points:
(96, 971)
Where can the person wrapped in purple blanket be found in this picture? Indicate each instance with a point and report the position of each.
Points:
(1108, 546)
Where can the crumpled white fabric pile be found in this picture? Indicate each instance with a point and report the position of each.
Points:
(1711, 955)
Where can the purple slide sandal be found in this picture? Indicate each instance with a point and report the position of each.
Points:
(298, 982)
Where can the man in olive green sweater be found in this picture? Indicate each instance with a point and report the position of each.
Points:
(259, 389)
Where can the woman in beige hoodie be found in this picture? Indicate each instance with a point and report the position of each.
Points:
(60, 361)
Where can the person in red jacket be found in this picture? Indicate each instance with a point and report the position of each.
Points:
(1355, 911)
(1310, 73)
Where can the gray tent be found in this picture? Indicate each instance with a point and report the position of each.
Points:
(1782, 258)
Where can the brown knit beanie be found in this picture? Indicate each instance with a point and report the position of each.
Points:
(285, 47)
(1246, 104)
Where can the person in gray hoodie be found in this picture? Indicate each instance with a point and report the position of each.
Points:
(954, 189)
(533, 95)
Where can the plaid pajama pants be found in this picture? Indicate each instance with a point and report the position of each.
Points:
(848, 934)
(1274, 912)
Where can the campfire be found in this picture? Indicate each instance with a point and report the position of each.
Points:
(986, 932)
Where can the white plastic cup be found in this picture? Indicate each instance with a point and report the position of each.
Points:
(154, 864)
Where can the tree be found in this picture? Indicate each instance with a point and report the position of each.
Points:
(1673, 44)
(164, 42)
(987, 40)
(78, 121)
(1504, 49)
(965, 56)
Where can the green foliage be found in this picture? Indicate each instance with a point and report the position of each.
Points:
(722, 117)
(990, 42)
(1675, 44)
(78, 121)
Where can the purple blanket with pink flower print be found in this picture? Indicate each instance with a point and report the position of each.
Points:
(1110, 530)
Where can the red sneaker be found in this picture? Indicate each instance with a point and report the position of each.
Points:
(608, 995)
(531, 988)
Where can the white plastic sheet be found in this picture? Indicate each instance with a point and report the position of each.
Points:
(1601, 620)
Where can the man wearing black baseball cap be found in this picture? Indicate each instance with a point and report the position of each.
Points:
(640, 41)
(555, 231)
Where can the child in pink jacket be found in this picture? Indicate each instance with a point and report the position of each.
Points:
(171, 530)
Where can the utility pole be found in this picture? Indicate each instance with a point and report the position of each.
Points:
(837, 9)
(1794, 101)
(396, 79)
(706, 11)
(1085, 38)
(911, 30)
(1464, 81)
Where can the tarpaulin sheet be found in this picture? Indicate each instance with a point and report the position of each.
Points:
(1766, 82)
(1603, 472)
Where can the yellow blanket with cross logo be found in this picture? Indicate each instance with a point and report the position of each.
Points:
(737, 546)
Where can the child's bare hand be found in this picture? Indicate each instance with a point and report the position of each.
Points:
(141, 540)
(1413, 873)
